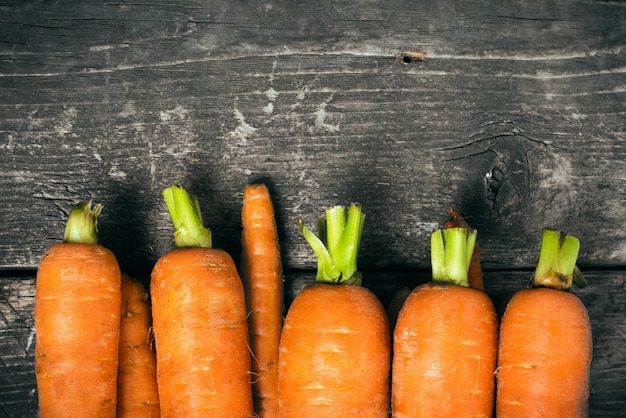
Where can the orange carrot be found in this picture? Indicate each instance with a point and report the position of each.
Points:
(445, 339)
(137, 393)
(334, 358)
(261, 272)
(77, 322)
(474, 273)
(199, 320)
(545, 346)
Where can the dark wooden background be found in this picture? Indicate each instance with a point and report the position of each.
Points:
(516, 117)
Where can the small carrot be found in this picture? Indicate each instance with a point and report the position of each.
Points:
(445, 339)
(334, 358)
(199, 322)
(261, 272)
(137, 392)
(474, 273)
(545, 347)
(77, 322)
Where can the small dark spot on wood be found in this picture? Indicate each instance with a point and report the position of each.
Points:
(494, 181)
(409, 57)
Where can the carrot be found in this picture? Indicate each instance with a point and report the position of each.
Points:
(474, 273)
(261, 272)
(77, 322)
(137, 393)
(199, 321)
(335, 350)
(545, 347)
(445, 339)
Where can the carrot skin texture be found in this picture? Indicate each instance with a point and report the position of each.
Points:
(444, 358)
(77, 322)
(262, 276)
(137, 392)
(544, 356)
(335, 354)
(201, 335)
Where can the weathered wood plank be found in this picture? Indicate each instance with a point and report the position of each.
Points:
(18, 387)
(516, 117)
(605, 299)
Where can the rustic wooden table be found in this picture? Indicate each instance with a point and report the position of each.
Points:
(516, 117)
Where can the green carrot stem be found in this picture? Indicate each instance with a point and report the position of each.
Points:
(184, 210)
(337, 247)
(579, 279)
(450, 255)
(82, 224)
(557, 260)
(335, 224)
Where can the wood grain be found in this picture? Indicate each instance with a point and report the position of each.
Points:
(516, 117)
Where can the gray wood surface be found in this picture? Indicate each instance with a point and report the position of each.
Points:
(516, 117)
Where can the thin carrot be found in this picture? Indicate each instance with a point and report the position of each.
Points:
(445, 339)
(77, 322)
(335, 350)
(137, 392)
(199, 320)
(545, 347)
(261, 272)
(475, 272)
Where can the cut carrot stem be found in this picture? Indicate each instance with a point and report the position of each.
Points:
(337, 246)
(451, 254)
(184, 210)
(557, 260)
(77, 322)
(200, 328)
(475, 273)
(82, 224)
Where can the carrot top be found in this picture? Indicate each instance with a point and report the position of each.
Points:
(450, 255)
(337, 246)
(184, 210)
(556, 267)
(82, 224)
